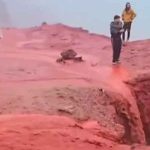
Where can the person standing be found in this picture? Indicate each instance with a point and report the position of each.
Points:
(128, 16)
(116, 29)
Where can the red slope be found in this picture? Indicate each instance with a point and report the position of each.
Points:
(27, 66)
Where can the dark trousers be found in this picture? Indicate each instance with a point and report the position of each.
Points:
(116, 45)
(127, 27)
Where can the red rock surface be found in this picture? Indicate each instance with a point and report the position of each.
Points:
(94, 108)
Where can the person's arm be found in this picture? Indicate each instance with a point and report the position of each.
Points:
(123, 15)
(113, 29)
(116, 28)
(121, 30)
(133, 15)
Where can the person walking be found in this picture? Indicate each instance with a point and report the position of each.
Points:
(128, 16)
(116, 30)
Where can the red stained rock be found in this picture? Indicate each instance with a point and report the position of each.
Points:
(94, 107)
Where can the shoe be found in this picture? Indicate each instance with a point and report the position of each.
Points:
(118, 62)
(114, 63)
(123, 43)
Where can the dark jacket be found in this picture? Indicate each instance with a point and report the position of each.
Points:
(115, 28)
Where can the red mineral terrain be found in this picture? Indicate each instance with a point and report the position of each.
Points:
(89, 105)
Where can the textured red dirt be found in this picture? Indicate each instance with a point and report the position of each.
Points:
(141, 90)
(100, 110)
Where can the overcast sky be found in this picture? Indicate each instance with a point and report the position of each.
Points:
(94, 15)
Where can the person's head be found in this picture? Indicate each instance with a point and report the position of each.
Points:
(128, 6)
(116, 18)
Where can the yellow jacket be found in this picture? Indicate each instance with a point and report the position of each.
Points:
(128, 16)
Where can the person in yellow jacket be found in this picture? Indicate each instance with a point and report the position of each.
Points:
(128, 16)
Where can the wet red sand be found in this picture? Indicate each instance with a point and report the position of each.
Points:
(33, 88)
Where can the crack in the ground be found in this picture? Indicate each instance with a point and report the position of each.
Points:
(140, 88)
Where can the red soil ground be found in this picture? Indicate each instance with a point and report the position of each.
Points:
(49, 106)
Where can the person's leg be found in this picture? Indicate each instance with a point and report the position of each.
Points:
(125, 28)
(129, 30)
(114, 49)
(123, 36)
(119, 46)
